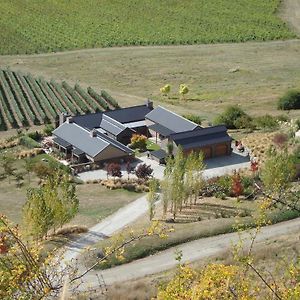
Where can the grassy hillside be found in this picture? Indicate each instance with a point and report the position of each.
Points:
(264, 72)
(27, 101)
(44, 26)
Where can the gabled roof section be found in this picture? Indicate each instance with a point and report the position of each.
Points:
(129, 114)
(160, 129)
(170, 120)
(201, 137)
(88, 121)
(112, 126)
(81, 139)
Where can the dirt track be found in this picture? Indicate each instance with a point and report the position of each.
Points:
(290, 12)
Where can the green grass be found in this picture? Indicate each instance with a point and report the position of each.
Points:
(45, 26)
(152, 146)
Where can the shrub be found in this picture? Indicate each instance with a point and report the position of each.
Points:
(35, 135)
(290, 100)
(266, 122)
(280, 139)
(138, 142)
(143, 171)
(194, 118)
(29, 142)
(114, 170)
(230, 117)
(244, 122)
(48, 129)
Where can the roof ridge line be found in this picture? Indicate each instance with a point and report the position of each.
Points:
(174, 113)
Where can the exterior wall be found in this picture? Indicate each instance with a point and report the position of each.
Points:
(209, 151)
(142, 130)
(110, 153)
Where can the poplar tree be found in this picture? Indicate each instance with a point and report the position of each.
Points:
(152, 196)
(50, 206)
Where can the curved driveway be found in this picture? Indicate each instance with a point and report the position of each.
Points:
(192, 251)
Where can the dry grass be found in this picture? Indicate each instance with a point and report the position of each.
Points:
(269, 256)
(259, 143)
(266, 70)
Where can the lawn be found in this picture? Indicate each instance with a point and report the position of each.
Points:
(35, 26)
(152, 146)
(95, 201)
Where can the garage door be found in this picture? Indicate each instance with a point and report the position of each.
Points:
(206, 151)
(221, 150)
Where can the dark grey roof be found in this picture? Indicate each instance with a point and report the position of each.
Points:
(81, 139)
(201, 137)
(170, 120)
(161, 129)
(77, 151)
(160, 154)
(129, 114)
(89, 121)
(61, 142)
(112, 126)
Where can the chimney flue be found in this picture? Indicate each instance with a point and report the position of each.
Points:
(93, 133)
(149, 104)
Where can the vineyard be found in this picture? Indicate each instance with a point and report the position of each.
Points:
(25, 100)
(50, 26)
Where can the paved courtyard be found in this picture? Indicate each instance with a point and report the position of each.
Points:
(214, 167)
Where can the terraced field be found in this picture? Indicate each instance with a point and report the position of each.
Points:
(49, 26)
(25, 100)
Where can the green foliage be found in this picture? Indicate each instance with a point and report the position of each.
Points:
(26, 100)
(98, 98)
(110, 99)
(290, 100)
(194, 118)
(266, 122)
(29, 142)
(278, 172)
(50, 206)
(48, 129)
(150, 22)
(233, 117)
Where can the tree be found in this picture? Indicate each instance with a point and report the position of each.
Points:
(143, 171)
(165, 90)
(8, 165)
(129, 169)
(28, 166)
(24, 275)
(237, 187)
(183, 90)
(170, 148)
(138, 141)
(152, 196)
(50, 206)
(278, 172)
(114, 170)
(291, 100)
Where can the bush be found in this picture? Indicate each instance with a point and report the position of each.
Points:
(194, 118)
(138, 142)
(233, 117)
(266, 122)
(48, 129)
(35, 135)
(291, 100)
(29, 142)
(143, 171)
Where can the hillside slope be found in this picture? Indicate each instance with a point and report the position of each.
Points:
(45, 26)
